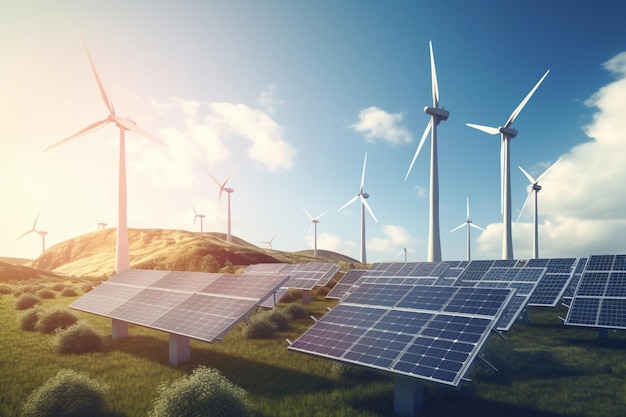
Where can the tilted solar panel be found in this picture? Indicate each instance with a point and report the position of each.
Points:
(345, 284)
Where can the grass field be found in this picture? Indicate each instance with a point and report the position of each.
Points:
(545, 370)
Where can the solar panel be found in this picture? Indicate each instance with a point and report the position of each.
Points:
(198, 305)
(395, 328)
(304, 276)
(600, 297)
(345, 284)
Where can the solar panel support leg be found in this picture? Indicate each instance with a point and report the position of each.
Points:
(119, 329)
(408, 396)
(306, 297)
(603, 334)
(180, 349)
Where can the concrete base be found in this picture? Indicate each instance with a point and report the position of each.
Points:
(408, 396)
(180, 349)
(119, 329)
(306, 297)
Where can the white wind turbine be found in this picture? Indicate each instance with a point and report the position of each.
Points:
(229, 191)
(122, 256)
(436, 115)
(469, 224)
(534, 189)
(314, 222)
(197, 216)
(269, 242)
(41, 233)
(405, 251)
(363, 197)
(507, 133)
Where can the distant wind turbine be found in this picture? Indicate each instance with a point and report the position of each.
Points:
(197, 216)
(534, 189)
(102, 225)
(405, 251)
(468, 223)
(436, 115)
(229, 191)
(269, 242)
(363, 197)
(314, 222)
(122, 256)
(41, 233)
(507, 133)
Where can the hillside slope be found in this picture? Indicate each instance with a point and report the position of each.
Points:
(93, 254)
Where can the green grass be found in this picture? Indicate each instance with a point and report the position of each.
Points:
(546, 370)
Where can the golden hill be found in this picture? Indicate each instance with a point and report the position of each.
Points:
(93, 254)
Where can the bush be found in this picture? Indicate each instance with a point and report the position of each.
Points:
(291, 296)
(78, 338)
(260, 328)
(280, 320)
(295, 311)
(69, 292)
(29, 318)
(5, 289)
(68, 394)
(26, 301)
(45, 294)
(57, 318)
(86, 288)
(205, 393)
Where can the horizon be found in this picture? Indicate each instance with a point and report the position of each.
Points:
(290, 97)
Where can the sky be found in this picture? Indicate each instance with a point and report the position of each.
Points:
(285, 98)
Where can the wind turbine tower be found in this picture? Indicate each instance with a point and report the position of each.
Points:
(228, 191)
(122, 256)
(506, 134)
(363, 196)
(41, 233)
(314, 222)
(197, 216)
(437, 115)
(534, 189)
(468, 223)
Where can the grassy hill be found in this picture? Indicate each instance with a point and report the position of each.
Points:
(93, 254)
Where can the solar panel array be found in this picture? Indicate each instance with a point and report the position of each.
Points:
(552, 287)
(600, 298)
(345, 284)
(198, 305)
(428, 332)
(304, 276)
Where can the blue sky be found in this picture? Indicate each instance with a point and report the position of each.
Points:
(277, 91)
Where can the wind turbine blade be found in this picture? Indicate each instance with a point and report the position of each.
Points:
(36, 218)
(24, 234)
(103, 92)
(194, 210)
(350, 202)
(419, 147)
(546, 171)
(433, 72)
(128, 125)
(531, 179)
(90, 128)
(318, 217)
(216, 183)
(467, 205)
(524, 206)
(230, 175)
(363, 174)
(519, 108)
(486, 129)
(476, 227)
(458, 227)
(308, 215)
(367, 206)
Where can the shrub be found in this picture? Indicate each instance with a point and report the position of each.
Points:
(291, 296)
(69, 292)
(76, 339)
(68, 394)
(280, 320)
(354, 372)
(295, 311)
(26, 301)
(29, 318)
(56, 318)
(5, 289)
(87, 287)
(45, 294)
(205, 393)
(260, 328)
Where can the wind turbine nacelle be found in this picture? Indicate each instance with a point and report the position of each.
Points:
(536, 187)
(229, 190)
(441, 114)
(508, 132)
(365, 195)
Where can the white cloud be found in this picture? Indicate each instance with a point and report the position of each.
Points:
(267, 100)
(582, 202)
(330, 242)
(378, 124)
(396, 238)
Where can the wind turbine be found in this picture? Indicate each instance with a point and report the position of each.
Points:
(229, 191)
(534, 189)
(41, 233)
(269, 242)
(468, 223)
(314, 222)
(197, 216)
(102, 225)
(122, 256)
(507, 133)
(405, 251)
(363, 197)
(436, 115)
